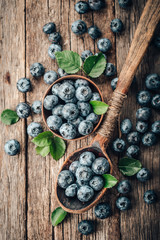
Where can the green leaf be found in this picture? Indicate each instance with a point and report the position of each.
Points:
(69, 61)
(94, 65)
(109, 181)
(99, 107)
(43, 151)
(58, 216)
(57, 148)
(9, 117)
(43, 139)
(129, 166)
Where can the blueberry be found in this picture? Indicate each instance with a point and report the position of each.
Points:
(96, 183)
(123, 203)
(36, 107)
(93, 118)
(61, 72)
(79, 27)
(12, 147)
(57, 110)
(83, 93)
(84, 173)
(81, 183)
(85, 127)
(70, 111)
(85, 54)
(73, 167)
(133, 138)
(156, 101)
(144, 98)
(23, 110)
(126, 126)
(143, 175)
(84, 108)
(76, 121)
(81, 7)
(149, 139)
(50, 77)
(54, 122)
(49, 28)
(133, 151)
(95, 97)
(37, 70)
(53, 48)
(125, 3)
(141, 126)
(85, 227)
(150, 197)
(85, 193)
(71, 190)
(118, 145)
(50, 101)
(104, 44)
(100, 166)
(87, 158)
(65, 178)
(124, 187)
(103, 210)
(66, 91)
(24, 85)
(68, 131)
(80, 83)
(55, 88)
(156, 41)
(54, 37)
(143, 114)
(110, 70)
(72, 100)
(114, 83)
(34, 129)
(94, 32)
(96, 4)
(156, 127)
(68, 81)
(153, 81)
(116, 25)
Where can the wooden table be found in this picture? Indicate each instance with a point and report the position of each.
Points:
(27, 194)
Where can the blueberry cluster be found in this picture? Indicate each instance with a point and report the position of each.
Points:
(84, 176)
(70, 113)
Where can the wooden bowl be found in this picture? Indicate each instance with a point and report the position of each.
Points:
(46, 113)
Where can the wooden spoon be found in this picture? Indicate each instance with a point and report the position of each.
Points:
(144, 32)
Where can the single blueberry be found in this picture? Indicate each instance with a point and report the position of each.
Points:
(93, 118)
(70, 111)
(114, 83)
(141, 126)
(85, 54)
(133, 138)
(143, 114)
(81, 82)
(87, 158)
(72, 100)
(66, 91)
(96, 5)
(34, 129)
(53, 48)
(143, 175)
(150, 197)
(49, 28)
(24, 85)
(124, 187)
(12, 147)
(133, 151)
(149, 139)
(100, 166)
(103, 210)
(156, 127)
(118, 145)
(85, 227)
(54, 37)
(156, 101)
(156, 41)
(71, 190)
(96, 183)
(23, 110)
(61, 72)
(110, 70)
(57, 110)
(81, 7)
(83, 93)
(54, 122)
(81, 183)
(104, 45)
(68, 81)
(126, 126)
(76, 121)
(73, 167)
(94, 32)
(123, 203)
(37, 70)
(50, 101)
(152, 81)
(55, 88)
(36, 107)
(50, 77)
(84, 173)
(125, 3)
(116, 25)
(144, 98)
(85, 127)
(68, 131)
(79, 27)
(85, 193)
(65, 178)
(95, 97)
(84, 108)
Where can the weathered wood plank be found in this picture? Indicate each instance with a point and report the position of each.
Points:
(12, 169)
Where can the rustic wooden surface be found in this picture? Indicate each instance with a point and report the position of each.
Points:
(27, 194)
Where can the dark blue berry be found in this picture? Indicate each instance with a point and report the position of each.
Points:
(81, 183)
(79, 27)
(143, 114)
(96, 183)
(100, 166)
(80, 83)
(76, 121)
(125, 3)
(85, 54)
(83, 93)
(156, 41)
(126, 126)
(153, 81)
(144, 98)
(24, 85)
(110, 70)
(123, 203)
(133, 138)
(150, 197)
(54, 122)
(50, 102)
(149, 139)
(85, 193)
(85, 127)
(49, 28)
(156, 127)
(95, 97)
(103, 210)
(81, 7)
(53, 48)
(68, 81)
(104, 45)
(73, 167)
(68, 131)
(93, 118)
(141, 126)
(23, 110)
(124, 187)
(37, 70)
(133, 151)
(65, 178)
(114, 83)
(12, 147)
(61, 72)
(84, 173)
(50, 77)
(70, 111)
(116, 25)
(94, 32)
(57, 110)
(143, 175)
(96, 4)
(87, 158)
(36, 107)
(34, 129)
(118, 145)
(71, 190)
(156, 101)
(55, 88)
(84, 108)
(85, 227)
(54, 37)
(66, 91)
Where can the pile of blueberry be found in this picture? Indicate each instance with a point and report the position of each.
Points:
(69, 110)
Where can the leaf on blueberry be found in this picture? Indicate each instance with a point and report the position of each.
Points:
(43, 151)
(43, 139)
(99, 107)
(129, 166)
(109, 181)
(58, 215)
(9, 117)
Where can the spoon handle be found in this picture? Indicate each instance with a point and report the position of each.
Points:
(144, 32)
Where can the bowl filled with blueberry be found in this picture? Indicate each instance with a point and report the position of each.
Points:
(66, 107)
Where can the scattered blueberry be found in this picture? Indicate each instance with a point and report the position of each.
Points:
(95, 97)
(104, 44)
(54, 37)
(103, 210)
(65, 178)
(80, 83)
(96, 183)
(156, 127)
(144, 98)
(85, 227)
(143, 175)
(87, 158)
(84, 108)
(37, 70)
(12, 147)
(76, 121)
(23, 110)
(79, 27)
(53, 48)
(84, 173)
(73, 167)
(94, 32)
(150, 197)
(124, 187)
(24, 85)
(81, 7)
(143, 114)
(156, 101)
(50, 102)
(149, 139)
(85, 193)
(57, 110)
(66, 91)
(49, 28)
(125, 3)
(54, 122)
(83, 93)
(85, 54)
(116, 25)
(61, 72)
(114, 83)
(110, 70)
(70, 111)
(71, 190)
(123, 203)
(85, 127)
(100, 166)
(156, 41)
(126, 126)
(93, 118)
(133, 151)
(55, 88)
(34, 129)
(50, 77)
(68, 131)
(133, 138)
(153, 81)
(36, 107)
(96, 4)
(118, 145)
(141, 126)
